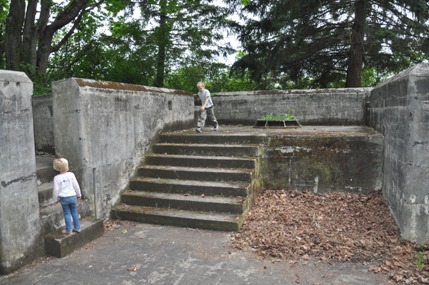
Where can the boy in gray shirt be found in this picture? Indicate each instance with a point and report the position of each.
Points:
(207, 108)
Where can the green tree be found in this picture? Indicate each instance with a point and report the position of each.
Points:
(329, 43)
(4, 8)
(177, 33)
(33, 29)
(216, 77)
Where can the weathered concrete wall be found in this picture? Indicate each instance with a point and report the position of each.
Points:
(43, 124)
(327, 159)
(104, 129)
(311, 107)
(399, 108)
(19, 205)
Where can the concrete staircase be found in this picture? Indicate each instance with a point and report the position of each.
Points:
(192, 180)
(51, 215)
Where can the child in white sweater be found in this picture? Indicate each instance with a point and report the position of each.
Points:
(67, 191)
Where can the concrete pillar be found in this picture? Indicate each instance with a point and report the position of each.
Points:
(19, 206)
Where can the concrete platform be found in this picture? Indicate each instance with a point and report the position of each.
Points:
(310, 158)
(240, 131)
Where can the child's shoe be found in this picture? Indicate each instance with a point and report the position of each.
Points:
(216, 128)
(198, 130)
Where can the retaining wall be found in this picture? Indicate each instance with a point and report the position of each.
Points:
(342, 106)
(324, 159)
(399, 108)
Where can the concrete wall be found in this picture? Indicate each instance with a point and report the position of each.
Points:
(19, 205)
(324, 160)
(104, 129)
(310, 107)
(43, 124)
(399, 108)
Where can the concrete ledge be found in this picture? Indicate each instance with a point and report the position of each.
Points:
(60, 245)
(179, 218)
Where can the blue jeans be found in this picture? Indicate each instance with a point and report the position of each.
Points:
(69, 205)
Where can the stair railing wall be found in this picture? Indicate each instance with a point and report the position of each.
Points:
(104, 129)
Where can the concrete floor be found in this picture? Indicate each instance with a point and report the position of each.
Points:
(135, 253)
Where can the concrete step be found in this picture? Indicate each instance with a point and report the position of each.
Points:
(51, 215)
(201, 174)
(60, 245)
(192, 187)
(45, 192)
(206, 149)
(180, 218)
(210, 138)
(201, 161)
(184, 202)
(194, 180)
(44, 171)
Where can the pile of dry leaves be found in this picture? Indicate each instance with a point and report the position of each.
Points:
(334, 227)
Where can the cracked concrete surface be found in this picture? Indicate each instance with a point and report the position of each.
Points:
(136, 253)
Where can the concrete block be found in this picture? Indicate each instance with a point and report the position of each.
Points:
(19, 207)
(60, 245)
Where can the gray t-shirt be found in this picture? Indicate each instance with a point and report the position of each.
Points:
(203, 95)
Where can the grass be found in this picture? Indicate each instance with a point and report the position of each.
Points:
(284, 117)
(419, 262)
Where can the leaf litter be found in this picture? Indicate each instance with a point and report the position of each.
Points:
(333, 227)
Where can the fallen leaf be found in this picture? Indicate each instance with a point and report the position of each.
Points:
(134, 268)
(334, 227)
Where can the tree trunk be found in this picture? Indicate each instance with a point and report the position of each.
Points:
(354, 70)
(14, 22)
(29, 35)
(30, 43)
(46, 32)
(160, 62)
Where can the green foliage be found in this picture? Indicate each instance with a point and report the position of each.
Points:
(216, 77)
(186, 78)
(284, 117)
(176, 34)
(370, 78)
(308, 44)
(419, 261)
(4, 9)
(41, 82)
(173, 44)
